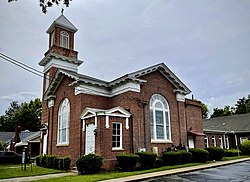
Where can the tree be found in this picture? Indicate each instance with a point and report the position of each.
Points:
(241, 107)
(44, 4)
(227, 111)
(204, 111)
(26, 115)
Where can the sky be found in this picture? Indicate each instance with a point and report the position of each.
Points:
(205, 43)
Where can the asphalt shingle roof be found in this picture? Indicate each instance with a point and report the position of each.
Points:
(237, 123)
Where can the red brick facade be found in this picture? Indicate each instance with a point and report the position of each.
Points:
(185, 115)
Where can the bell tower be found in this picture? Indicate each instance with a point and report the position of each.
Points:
(61, 53)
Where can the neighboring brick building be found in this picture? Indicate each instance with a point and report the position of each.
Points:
(143, 110)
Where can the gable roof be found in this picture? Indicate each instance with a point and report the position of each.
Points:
(62, 21)
(134, 77)
(7, 136)
(237, 123)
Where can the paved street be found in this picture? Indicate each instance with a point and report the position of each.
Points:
(230, 173)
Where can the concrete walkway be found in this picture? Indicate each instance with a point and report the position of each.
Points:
(135, 177)
(33, 178)
(175, 171)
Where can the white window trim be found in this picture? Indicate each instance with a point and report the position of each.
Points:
(65, 35)
(65, 103)
(52, 39)
(213, 141)
(47, 80)
(153, 100)
(117, 148)
(206, 143)
(221, 141)
(226, 142)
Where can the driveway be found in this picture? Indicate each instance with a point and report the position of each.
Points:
(230, 173)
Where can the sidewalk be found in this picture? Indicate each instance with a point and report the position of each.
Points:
(135, 177)
(33, 178)
(175, 171)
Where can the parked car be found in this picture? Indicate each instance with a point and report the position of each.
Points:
(7, 157)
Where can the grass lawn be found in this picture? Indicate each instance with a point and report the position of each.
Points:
(119, 174)
(13, 171)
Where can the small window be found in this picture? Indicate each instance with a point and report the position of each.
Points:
(242, 139)
(206, 141)
(213, 141)
(64, 39)
(117, 136)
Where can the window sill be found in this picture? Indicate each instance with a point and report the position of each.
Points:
(62, 145)
(117, 149)
(161, 141)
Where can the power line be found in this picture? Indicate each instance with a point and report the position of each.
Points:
(21, 65)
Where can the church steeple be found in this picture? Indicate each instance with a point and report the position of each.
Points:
(61, 53)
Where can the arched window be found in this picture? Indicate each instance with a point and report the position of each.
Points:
(52, 40)
(63, 122)
(159, 119)
(64, 39)
(221, 142)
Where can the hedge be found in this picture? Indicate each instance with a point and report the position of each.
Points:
(186, 157)
(147, 159)
(89, 164)
(53, 162)
(245, 147)
(199, 155)
(171, 158)
(231, 152)
(215, 153)
(127, 162)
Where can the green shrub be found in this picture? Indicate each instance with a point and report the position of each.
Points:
(66, 163)
(147, 159)
(186, 157)
(50, 161)
(158, 163)
(127, 162)
(89, 164)
(215, 153)
(245, 147)
(43, 161)
(55, 163)
(231, 152)
(60, 163)
(199, 155)
(1, 146)
(38, 160)
(171, 158)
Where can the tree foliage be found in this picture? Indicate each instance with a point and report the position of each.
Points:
(242, 106)
(204, 111)
(44, 4)
(25, 115)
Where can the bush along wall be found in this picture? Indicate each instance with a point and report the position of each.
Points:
(171, 158)
(53, 162)
(186, 157)
(89, 164)
(147, 159)
(127, 162)
(199, 155)
(245, 147)
(231, 152)
(215, 153)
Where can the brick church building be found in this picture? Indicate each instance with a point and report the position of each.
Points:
(144, 110)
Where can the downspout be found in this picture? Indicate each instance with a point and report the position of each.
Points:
(52, 108)
(179, 121)
(145, 126)
(48, 135)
